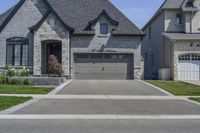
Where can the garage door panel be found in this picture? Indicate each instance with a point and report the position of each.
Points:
(104, 66)
(189, 67)
(95, 76)
(81, 76)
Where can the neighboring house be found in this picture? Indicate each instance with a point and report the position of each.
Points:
(171, 47)
(92, 39)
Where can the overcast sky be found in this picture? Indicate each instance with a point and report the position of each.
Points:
(139, 11)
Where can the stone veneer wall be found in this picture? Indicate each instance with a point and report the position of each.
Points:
(180, 48)
(48, 32)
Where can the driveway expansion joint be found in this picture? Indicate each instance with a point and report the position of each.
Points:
(99, 117)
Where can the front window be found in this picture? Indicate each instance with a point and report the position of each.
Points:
(178, 19)
(103, 28)
(150, 33)
(17, 52)
(190, 4)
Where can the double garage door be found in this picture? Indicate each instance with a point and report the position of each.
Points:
(189, 67)
(103, 66)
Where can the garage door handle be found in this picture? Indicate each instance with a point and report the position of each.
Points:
(103, 69)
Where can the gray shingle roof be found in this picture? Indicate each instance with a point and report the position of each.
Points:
(181, 36)
(78, 13)
(173, 4)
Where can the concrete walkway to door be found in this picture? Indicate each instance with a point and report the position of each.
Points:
(110, 87)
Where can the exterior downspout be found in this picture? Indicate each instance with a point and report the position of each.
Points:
(191, 16)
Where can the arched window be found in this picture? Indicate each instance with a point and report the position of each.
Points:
(17, 51)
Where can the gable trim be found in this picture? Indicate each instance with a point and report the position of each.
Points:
(54, 12)
(16, 8)
(37, 26)
(114, 22)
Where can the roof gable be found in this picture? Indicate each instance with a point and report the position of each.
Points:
(167, 5)
(78, 13)
(37, 26)
(9, 14)
(112, 21)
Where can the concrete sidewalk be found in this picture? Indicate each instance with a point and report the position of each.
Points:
(193, 82)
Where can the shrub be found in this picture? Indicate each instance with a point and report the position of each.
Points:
(54, 66)
(11, 71)
(15, 81)
(5, 80)
(26, 82)
(1, 81)
(24, 72)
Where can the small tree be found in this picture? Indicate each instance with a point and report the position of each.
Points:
(54, 66)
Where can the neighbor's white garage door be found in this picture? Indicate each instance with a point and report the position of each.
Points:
(189, 67)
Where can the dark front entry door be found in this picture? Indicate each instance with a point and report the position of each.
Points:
(54, 49)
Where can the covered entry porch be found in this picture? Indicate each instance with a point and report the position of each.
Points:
(50, 47)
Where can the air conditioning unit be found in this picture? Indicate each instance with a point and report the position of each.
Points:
(164, 74)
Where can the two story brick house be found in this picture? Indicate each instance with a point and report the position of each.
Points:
(172, 41)
(92, 39)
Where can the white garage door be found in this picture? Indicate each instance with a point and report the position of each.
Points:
(189, 67)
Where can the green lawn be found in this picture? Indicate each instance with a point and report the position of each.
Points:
(7, 102)
(177, 87)
(23, 89)
(195, 99)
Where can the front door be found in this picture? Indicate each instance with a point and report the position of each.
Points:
(53, 48)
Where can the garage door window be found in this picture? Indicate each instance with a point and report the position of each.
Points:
(185, 57)
(188, 57)
(196, 57)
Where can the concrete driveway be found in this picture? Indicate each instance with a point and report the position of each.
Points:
(105, 107)
(109, 106)
(109, 87)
